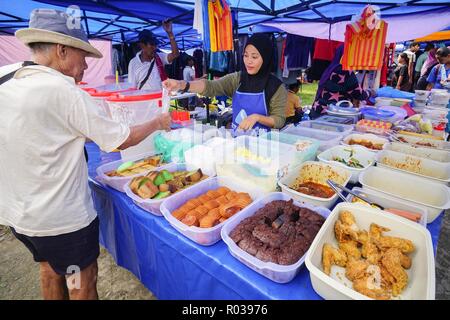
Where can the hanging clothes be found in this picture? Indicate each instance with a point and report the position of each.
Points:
(325, 49)
(198, 17)
(219, 61)
(198, 62)
(298, 50)
(364, 44)
(220, 26)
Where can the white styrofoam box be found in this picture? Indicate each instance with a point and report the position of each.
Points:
(421, 95)
(435, 197)
(203, 236)
(433, 154)
(424, 142)
(151, 205)
(439, 97)
(420, 103)
(366, 158)
(317, 172)
(327, 139)
(119, 183)
(366, 136)
(273, 271)
(421, 285)
(389, 202)
(327, 126)
(422, 167)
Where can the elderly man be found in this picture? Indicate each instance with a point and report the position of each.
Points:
(45, 121)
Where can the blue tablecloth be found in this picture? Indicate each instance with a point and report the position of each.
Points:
(172, 266)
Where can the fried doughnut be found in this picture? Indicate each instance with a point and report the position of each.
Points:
(211, 204)
(190, 220)
(208, 222)
(189, 206)
(204, 199)
(213, 194)
(222, 200)
(223, 190)
(222, 219)
(202, 209)
(195, 201)
(242, 202)
(214, 213)
(179, 214)
(197, 213)
(229, 209)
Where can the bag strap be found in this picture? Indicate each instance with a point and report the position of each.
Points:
(148, 74)
(10, 75)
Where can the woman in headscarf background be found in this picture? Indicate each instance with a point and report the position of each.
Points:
(336, 85)
(428, 65)
(259, 97)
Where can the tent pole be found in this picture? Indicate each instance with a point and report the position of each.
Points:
(86, 24)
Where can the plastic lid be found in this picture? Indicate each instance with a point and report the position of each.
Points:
(378, 113)
(110, 89)
(136, 95)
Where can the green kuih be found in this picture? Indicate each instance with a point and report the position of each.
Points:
(162, 195)
(167, 175)
(159, 179)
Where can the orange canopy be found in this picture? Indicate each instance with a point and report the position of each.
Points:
(437, 36)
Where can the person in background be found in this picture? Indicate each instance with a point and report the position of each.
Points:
(188, 71)
(293, 107)
(401, 75)
(336, 85)
(428, 65)
(146, 69)
(259, 97)
(439, 77)
(420, 62)
(45, 122)
(414, 48)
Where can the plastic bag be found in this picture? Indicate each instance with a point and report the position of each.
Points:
(172, 150)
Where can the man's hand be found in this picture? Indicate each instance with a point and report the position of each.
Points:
(167, 26)
(172, 85)
(249, 122)
(164, 121)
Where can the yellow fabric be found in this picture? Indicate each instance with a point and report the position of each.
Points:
(220, 26)
(293, 102)
(212, 27)
(440, 35)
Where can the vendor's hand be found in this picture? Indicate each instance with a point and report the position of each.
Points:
(167, 26)
(172, 85)
(249, 122)
(397, 87)
(164, 121)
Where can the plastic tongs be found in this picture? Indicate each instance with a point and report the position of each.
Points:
(337, 188)
(165, 100)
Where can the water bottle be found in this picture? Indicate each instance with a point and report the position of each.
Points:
(305, 116)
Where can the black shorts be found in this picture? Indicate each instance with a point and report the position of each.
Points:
(67, 252)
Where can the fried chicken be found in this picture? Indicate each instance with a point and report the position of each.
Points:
(404, 245)
(391, 260)
(332, 256)
(356, 269)
(350, 248)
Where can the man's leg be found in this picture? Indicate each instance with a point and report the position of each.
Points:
(53, 285)
(83, 285)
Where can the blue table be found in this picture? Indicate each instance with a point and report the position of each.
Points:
(172, 266)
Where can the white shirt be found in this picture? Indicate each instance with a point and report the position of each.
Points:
(188, 74)
(138, 69)
(411, 55)
(45, 120)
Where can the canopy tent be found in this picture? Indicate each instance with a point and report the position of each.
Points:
(120, 19)
(436, 36)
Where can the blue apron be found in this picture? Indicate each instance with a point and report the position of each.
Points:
(246, 104)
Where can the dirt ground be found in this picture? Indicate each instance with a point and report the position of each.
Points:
(19, 275)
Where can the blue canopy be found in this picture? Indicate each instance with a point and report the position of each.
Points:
(120, 19)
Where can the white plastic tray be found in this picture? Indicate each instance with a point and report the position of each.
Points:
(418, 141)
(422, 167)
(273, 271)
(327, 139)
(327, 126)
(365, 157)
(432, 154)
(367, 136)
(389, 202)
(203, 236)
(343, 174)
(153, 206)
(119, 183)
(421, 284)
(433, 196)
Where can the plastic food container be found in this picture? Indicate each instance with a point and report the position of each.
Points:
(432, 154)
(423, 167)
(398, 102)
(100, 94)
(383, 101)
(421, 95)
(439, 97)
(275, 272)
(373, 126)
(419, 103)
(435, 197)
(389, 202)
(424, 142)
(119, 183)
(421, 276)
(366, 158)
(327, 126)
(327, 139)
(151, 205)
(316, 172)
(384, 113)
(306, 148)
(203, 236)
(368, 137)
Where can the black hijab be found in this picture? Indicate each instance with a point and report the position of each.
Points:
(263, 80)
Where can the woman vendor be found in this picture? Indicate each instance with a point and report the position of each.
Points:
(259, 97)
(336, 85)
